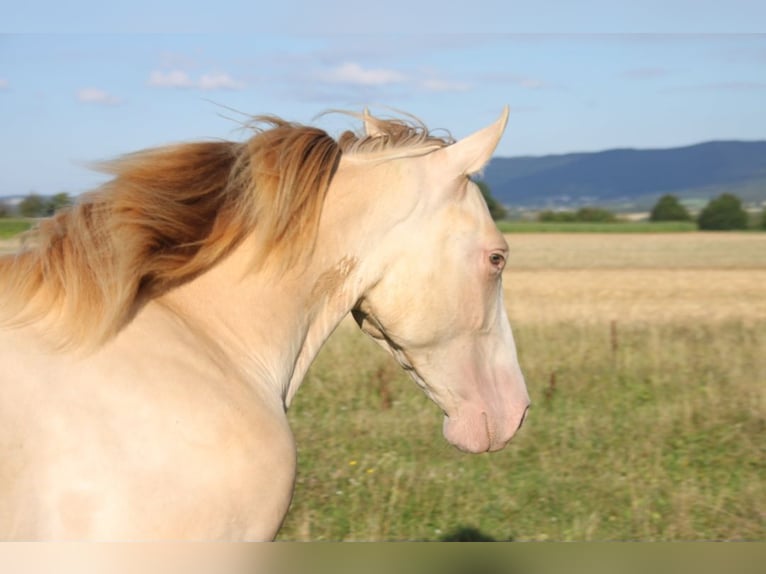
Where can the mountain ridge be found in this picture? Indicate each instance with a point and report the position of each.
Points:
(630, 177)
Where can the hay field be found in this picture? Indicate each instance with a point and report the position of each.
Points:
(635, 279)
(645, 356)
(9, 245)
(700, 250)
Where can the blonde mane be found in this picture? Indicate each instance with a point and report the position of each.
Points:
(170, 214)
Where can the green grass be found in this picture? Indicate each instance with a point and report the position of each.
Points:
(656, 438)
(575, 227)
(11, 227)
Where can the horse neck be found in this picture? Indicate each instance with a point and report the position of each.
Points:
(271, 325)
(352, 249)
(254, 321)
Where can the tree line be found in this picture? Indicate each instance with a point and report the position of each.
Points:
(724, 212)
(34, 205)
(721, 213)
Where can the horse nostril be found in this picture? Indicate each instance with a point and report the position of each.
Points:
(523, 418)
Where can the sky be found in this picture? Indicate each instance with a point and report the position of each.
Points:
(76, 92)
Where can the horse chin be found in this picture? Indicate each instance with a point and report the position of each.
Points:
(471, 434)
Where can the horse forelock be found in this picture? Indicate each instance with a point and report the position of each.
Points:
(169, 214)
(399, 137)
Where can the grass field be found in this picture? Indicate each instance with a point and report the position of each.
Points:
(11, 227)
(644, 357)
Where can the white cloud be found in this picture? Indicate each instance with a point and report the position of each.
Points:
(171, 79)
(524, 82)
(219, 82)
(353, 74)
(4, 84)
(97, 96)
(181, 79)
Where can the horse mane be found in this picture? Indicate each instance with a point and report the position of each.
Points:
(169, 214)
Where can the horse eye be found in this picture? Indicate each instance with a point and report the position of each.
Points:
(496, 259)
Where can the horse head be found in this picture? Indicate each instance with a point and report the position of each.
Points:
(438, 307)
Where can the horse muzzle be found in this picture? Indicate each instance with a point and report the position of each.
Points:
(475, 431)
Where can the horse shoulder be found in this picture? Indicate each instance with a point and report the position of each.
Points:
(149, 437)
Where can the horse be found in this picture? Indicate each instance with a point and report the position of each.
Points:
(154, 334)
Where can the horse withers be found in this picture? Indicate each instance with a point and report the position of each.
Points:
(154, 334)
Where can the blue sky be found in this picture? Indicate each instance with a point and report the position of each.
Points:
(68, 99)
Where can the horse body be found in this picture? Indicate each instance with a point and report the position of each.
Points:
(175, 427)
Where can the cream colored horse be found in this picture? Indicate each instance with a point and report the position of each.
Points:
(155, 334)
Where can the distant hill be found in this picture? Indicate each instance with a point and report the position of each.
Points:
(630, 178)
(622, 179)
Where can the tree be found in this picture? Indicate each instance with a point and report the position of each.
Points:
(763, 219)
(58, 201)
(550, 216)
(595, 215)
(32, 205)
(496, 210)
(582, 215)
(724, 212)
(668, 208)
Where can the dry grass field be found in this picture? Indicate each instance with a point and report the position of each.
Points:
(9, 245)
(700, 250)
(639, 278)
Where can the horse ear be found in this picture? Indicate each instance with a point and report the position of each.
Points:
(472, 153)
(371, 127)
